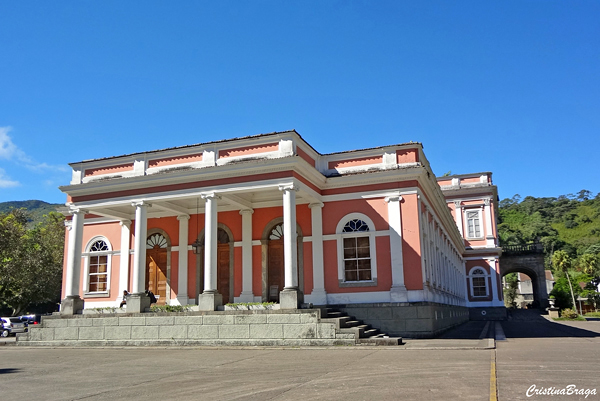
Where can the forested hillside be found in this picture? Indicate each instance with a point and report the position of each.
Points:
(569, 222)
(36, 209)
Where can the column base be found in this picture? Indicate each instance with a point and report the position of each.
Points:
(209, 301)
(317, 297)
(246, 297)
(71, 305)
(181, 300)
(137, 303)
(290, 298)
(398, 294)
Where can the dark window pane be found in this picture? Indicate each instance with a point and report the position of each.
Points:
(364, 264)
(349, 253)
(349, 265)
(351, 276)
(364, 275)
(362, 242)
(363, 252)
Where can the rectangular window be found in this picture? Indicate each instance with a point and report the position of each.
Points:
(98, 273)
(479, 287)
(473, 225)
(357, 259)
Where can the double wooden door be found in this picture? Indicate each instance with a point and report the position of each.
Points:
(223, 272)
(276, 278)
(156, 273)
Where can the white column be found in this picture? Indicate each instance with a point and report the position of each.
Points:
(489, 234)
(210, 242)
(290, 246)
(459, 216)
(124, 257)
(318, 295)
(139, 247)
(494, 289)
(246, 295)
(182, 275)
(398, 291)
(74, 254)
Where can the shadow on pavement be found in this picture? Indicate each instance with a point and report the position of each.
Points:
(523, 324)
(9, 370)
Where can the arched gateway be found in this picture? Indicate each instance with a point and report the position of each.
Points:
(527, 259)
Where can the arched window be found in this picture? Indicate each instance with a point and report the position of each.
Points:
(98, 260)
(478, 279)
(356, 250)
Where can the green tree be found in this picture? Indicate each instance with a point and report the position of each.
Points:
(562, 262)
(30, 260)
(510, 290)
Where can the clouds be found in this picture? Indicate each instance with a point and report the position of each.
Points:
(6, 182)
(10, 151)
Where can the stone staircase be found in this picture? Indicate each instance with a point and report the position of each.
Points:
(363, 333)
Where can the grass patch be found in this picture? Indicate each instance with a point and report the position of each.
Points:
(592, 314)
(566, 318)
(170, 308)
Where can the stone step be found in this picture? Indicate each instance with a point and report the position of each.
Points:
(370, 333)
(381, 341)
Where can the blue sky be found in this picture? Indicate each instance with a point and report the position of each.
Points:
(511, 87)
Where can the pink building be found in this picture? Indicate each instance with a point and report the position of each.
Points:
(268, 218)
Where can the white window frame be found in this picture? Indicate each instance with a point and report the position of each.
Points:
(340, 235)
(485, 276)
(480, 221)
(88, 254)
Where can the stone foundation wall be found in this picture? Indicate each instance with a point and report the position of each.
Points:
(253, 327)
(489, 313)
(408, 320)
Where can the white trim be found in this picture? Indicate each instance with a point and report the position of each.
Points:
(478, 210)
(486, 277)
(86, 271)
(339, 236)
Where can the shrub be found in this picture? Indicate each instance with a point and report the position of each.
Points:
(569, 313)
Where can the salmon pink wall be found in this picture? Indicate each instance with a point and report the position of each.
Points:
(363, 161)
(305, 156)
(308, 268)
(330, 266)
(375, 209)
(411, 242)
(112, 232)
(407, 156)
(108, 170)
(248, 150)
(169, 161)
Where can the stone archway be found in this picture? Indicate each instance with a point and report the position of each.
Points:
(225, 276)
(268, 251)
(529, 260)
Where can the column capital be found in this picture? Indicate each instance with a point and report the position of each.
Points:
(77, 210)
(210, 195)
(486, 201)
(141, 203)
(126, 223)
(315, 204)
(457, 204)
(393, 198)
(183, 217)
(246, 211)
(288, 187)
(68, 224)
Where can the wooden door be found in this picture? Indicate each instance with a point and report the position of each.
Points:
(223, 276)
(156, 273)
(275, 270)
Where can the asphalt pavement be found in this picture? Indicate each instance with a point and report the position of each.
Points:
(464, 364)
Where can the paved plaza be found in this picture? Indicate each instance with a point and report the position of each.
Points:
(463, 365)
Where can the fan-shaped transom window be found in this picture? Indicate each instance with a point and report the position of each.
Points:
(356, 250)
(277, 232)
(478, 283)
(98, 267)
(156, 241)
(355, 225)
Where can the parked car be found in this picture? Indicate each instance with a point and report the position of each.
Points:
(31, 319)
(12, 326)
